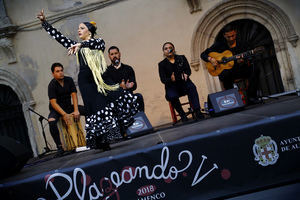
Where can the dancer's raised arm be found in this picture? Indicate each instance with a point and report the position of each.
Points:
(86, 32)
(58, 36)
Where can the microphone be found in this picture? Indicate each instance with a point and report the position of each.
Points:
(117, 62)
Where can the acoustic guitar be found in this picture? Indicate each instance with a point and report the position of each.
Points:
(226, 59)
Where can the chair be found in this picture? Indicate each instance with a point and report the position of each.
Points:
(174, 114)
(71, 136)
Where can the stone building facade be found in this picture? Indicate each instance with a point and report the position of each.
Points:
(138, 28)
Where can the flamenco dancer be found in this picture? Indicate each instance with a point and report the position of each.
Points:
(110, 109)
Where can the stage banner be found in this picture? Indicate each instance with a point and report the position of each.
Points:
(220, 164)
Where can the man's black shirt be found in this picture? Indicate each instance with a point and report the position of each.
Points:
(243, 70)
(221, 47)
(125, 72)
(61, 94)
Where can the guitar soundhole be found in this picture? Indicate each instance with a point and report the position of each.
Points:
(224, 60)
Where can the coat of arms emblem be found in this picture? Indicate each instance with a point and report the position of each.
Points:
(265, 151)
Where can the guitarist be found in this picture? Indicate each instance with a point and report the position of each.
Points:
(241, 68)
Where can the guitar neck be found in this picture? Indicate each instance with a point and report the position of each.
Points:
(241, 55)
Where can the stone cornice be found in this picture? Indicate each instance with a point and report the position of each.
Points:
(79, 10)
(195, 5)
(8, 30)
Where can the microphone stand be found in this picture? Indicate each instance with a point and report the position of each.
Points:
(41, 118)
(261, 98)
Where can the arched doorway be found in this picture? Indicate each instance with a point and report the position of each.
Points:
(12, 121)
(263, 12)
(10, 79)
(251, 34)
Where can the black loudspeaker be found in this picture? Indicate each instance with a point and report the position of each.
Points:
(225, 102)
(140, 126)
(13, 156)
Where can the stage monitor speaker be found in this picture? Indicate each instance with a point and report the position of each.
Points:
(224, 102)
(13, 156)
(140, 126)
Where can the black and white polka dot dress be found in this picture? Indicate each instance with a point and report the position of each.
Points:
(107, 116)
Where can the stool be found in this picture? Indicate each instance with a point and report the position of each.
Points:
(71, 136)
(242, 86)
(174, 115)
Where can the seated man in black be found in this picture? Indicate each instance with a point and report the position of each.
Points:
(60, 90)
(123, 74)
(241, 68)
(174, 72)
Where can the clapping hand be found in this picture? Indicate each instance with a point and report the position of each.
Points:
(185, 77)
(126, 85)
(129, 84)
(173, 77)
(122, 84)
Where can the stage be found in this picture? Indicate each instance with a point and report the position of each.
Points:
(216, 158)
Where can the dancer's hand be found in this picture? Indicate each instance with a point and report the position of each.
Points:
(74, 49)
(41, 16)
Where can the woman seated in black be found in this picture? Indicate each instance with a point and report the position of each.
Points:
(174, 73)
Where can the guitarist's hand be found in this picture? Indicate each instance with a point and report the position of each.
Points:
(240, 59)
(213, 61)
(173, 77)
